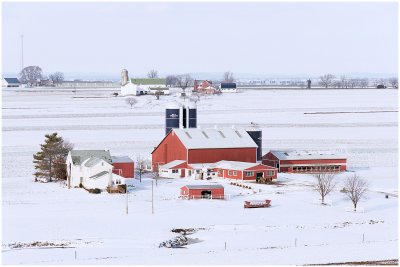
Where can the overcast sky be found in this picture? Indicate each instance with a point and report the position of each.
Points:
(262, 38)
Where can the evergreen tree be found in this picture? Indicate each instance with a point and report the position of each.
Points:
(50, 160)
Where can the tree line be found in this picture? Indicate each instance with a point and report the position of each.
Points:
(331, 81)
(34, 75)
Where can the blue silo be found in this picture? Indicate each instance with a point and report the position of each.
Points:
(172, 116)
(256, 135)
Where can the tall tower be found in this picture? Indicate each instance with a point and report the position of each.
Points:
(124, 77)
(256, 134)
(180, 116)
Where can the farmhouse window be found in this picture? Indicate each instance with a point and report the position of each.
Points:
(248, 174)
(174, 171)
(270, 173)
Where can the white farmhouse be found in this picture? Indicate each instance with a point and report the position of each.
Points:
(92, 169)
(144, 86)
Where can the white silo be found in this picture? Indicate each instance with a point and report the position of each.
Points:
(124, 77)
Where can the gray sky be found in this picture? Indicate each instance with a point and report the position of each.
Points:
(262, 38)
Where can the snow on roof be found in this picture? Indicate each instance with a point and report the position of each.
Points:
(173, 105)
(79, 156)
(98, 175)
(205, 186)
(172, 164)
(196, 138)
(234, 165)
(306, 154)
(121, 159)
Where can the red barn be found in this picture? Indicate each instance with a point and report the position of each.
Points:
(195, 145)
(202, 191)
(305, 161)
(245, 171)
(123, 166)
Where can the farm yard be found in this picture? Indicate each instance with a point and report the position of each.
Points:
(46, 223)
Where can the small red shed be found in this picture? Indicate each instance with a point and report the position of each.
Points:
(123, 166)
(214, 191)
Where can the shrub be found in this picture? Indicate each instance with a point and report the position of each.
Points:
(95, 191)
(80, 185)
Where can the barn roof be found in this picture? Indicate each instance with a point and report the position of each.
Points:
(12, 80)
(228, 85)
(172, 164)
(305, 154)
(204, 186)
(196, 138)
(149, 81)
(121, 159)
(79, 156)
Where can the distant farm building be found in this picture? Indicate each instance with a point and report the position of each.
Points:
(87, 84)
(228, 87)
(145, 86)
(10, 82)
(214, 191)
(195, 145)
(305, 161)
(204, 87)
(94, 169)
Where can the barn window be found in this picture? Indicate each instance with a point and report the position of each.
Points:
(174, 171)
(270, 173)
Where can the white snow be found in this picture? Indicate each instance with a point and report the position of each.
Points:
(296, 229)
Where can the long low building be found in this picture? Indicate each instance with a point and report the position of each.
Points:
(305, 161)
(245, 171)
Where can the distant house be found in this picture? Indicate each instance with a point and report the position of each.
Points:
(10, 82)
(145, 86)
(228, 87)
(204, 87)
(93, 169)
(305, 161)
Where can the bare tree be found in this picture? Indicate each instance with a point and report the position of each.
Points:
(184, 81)
(152, 74)
(364, 82)
(131, 101)
(57, 77)
(355, 188)
(155, 174)
(343, 82)
(31, 74)
(140, 165)
(326, 80)
(394, 82)
(195, 97)
(324, 184)
(353, 83)
(158, 93)
(171, 80)
(228, 77)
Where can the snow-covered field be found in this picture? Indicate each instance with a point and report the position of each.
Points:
(294, 230)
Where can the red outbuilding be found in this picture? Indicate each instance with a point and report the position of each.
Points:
(305, 161)
(123, 166)
(195, 145)
(215, 191)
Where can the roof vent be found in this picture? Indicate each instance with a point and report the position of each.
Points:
(222, 134)
(237, 132)
(205, 134)
(188, 135)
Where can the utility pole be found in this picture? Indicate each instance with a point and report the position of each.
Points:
(126, 209)
(152, 198)
(22, 52)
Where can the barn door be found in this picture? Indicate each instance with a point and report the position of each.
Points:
(182, 172)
